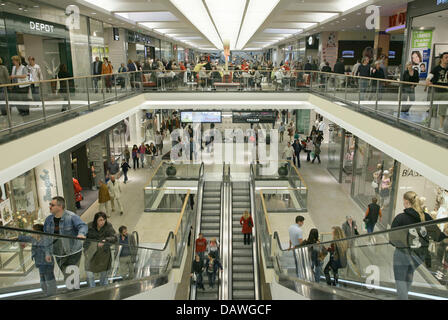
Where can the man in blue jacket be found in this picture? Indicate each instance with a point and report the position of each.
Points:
(297, 148)
(63, 222)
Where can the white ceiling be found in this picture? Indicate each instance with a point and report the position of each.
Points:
(207, 24)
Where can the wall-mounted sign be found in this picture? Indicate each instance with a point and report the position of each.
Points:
(397, 19)
(116, 34)
(310, 40)
(253, 117)
(37, 26)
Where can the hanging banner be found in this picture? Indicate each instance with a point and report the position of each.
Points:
(329, 47)
(421, 51)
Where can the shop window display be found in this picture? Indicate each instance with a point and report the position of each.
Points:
(25, 203)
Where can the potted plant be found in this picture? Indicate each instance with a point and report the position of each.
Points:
(171, 170)
(283, 171)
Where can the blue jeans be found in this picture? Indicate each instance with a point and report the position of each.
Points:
(199, 281)
(363, 84)
(91, 278)
(47, 280)
(317, 270)
(404, 267)
(370, 227)
(211, 278)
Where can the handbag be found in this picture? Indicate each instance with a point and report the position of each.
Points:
(374, 184)
(250, 224)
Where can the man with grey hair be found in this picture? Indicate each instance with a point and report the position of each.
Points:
(350, 230)
(114, 187)
(67, 251)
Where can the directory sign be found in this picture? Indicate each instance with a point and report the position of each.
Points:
(200, 116)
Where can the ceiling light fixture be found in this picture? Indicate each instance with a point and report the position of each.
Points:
(257, 12)
(227, 16)
(195, 11)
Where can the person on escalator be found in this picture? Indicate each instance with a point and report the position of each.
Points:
(247, 223)
(211, 266)
(411, 245)
(213, 247)
(317, 253)
(338, 256)
(197, 267)
(201, 246)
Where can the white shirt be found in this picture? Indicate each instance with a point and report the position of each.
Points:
(321, 126)
(158, 138)
(35, 74)
(21, 70)
(114, 188)
(289, 151)
(295, 233)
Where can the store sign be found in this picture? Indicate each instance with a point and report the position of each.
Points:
(397, 19)
(439, 2)
(37, 26)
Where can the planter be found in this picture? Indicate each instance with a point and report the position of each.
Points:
(171, 171)
(283, 171)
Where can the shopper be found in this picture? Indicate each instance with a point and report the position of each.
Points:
(135, 155)
(78, 196)
(297, 148)
(309, 148)
(4, 79)
(113, 168)
(43, 260)
(121, 80)
(281, 131)
(291, 130)
(201, 246)
(211, 266)
(64, 85)
(127, 256)
(296, 237)
(247, 223)
(142, 153)
(351, 230)
(316, 152)
(288, 153)
(213, 247)
(152, 156)
(35, 76)
(97, 253)
(114, 187)
(411, 248)
(377, 73)
(197, 268)
(63, 222)
(159, 143)
(372, 214)
(125, 168)
(408, 91)
(132, 67)
(104, 198)
(316, 253)
(19, 75)
(106, 69)
(338, 256)
(439, 76)
(97, 67)
(127, 154)
(364, 71)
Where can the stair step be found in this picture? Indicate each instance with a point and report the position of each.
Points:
(243, 285)
(237, 261)
(243, 294)
(209, 226)
(243, 268)
(243, 252)
(242, 276)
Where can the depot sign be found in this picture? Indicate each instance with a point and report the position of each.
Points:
(37, 26)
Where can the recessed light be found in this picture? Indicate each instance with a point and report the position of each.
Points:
(93, 12)
(359, 13)
(358, 26)
(36, 6)
(20, 9)
(343, 19)
(2, 4)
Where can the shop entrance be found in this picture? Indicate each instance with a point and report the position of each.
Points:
(81, 172)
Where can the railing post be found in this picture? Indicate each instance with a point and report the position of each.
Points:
(141, 81)
(69, 105)
(21, 259)
(44, 111)
(8, 110)
(103, 85)
(377, 91)
(311, 80)
(359, 92)
(326, 82)
(399, 101)
(88, 94)
(335, 84)
(115, 86)
(431, 111)
(346, 86)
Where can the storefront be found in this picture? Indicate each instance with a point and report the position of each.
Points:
(142, 47)
(426, 37)
(24, 200)
(48, 42)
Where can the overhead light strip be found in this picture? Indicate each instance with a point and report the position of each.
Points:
(195, 11)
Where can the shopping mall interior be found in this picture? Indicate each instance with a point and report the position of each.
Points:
(240, 150)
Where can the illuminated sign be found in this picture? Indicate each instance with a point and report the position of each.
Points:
(37, 26)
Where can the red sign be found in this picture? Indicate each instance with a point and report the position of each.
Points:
(397, 19)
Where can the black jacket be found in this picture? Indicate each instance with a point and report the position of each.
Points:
(197, 266)
(326, 69)
(363, 71)
(378, 74)
(339, 68)
(297, 147)
(407, 78)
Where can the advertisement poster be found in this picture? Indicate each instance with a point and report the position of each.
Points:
(330, 47)
(421, 51)
(6, 212)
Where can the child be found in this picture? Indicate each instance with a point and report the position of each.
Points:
(40, 253)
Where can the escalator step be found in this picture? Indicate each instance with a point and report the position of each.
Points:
(243, 285)
(243, 294)
(242, 252)
(211, 212)
(209, 226)
(237, 261)
(243, 268)
(242, 276)
(210, 219)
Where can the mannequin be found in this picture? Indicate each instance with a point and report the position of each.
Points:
(443, 210)
(385, 188)
(377, 176)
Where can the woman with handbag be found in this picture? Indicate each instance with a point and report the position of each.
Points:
(197, 267)
(247, 223)
(98, 258)
(338, 256)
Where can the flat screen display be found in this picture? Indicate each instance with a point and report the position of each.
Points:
(391, 54)
(200, 116)
(348, 54)
(254, 117)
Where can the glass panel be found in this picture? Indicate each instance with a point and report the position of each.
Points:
(334, 150)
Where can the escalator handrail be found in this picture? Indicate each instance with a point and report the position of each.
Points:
(255, 254)
(53, 235)
(409, 226)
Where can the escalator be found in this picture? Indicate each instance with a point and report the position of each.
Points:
(243, 284)
(210, 226)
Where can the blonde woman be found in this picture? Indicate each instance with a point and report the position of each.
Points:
(213, 247)
(338, 256)
(247, 223)
(411, 245)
